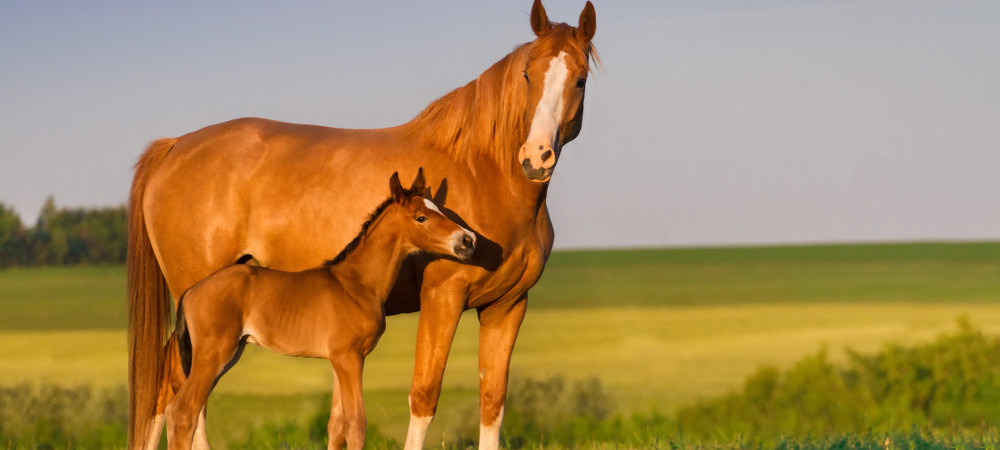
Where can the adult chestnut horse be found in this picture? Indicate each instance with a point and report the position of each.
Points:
(291, 195)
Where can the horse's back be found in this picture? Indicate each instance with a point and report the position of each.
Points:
(255, 138)
(234, 188)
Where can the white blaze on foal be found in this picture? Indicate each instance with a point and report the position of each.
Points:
(430, 205)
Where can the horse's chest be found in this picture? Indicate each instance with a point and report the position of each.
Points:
(519, 272)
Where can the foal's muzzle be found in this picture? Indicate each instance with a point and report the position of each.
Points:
(466, 246)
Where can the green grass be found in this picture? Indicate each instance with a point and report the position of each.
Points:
(63, 298)
(660, 328)
(93, 297)
(912, 272)
(647, 358)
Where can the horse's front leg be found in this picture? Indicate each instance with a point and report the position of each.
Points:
(498, 327)
(348, 370)
(335, 427)
(440, 310)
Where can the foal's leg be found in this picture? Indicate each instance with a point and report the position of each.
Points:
(335, 428)
(182, 413)
(348, 368)
(186, 412)
(498, 326)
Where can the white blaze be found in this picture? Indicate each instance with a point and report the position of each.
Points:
(430, 205)
(548, 113)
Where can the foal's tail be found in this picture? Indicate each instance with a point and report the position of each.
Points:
(148, 304)
(183, 337)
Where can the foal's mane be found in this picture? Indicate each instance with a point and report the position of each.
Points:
(351, 246)
(487, 115)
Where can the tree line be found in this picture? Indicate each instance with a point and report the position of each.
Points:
(64, 236)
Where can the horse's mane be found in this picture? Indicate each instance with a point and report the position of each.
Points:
(486, 116)
(351, 246)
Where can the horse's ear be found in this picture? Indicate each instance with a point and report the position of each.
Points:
(418, 187)
(588, 23)
(539, 20)
(398, 193)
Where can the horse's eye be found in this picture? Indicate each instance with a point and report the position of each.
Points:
(526, 76)
(581, 83)
(421, 219)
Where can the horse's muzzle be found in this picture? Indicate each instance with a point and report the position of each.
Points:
(538, 162)
(465, 247)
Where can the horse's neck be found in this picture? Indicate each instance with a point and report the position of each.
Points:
(482, 124)
(481, 121)
(371, 269)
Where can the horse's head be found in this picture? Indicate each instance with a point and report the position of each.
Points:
(424, 226)
(556, 77)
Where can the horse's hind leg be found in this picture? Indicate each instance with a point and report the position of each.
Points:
(171, 381)
(200, 441)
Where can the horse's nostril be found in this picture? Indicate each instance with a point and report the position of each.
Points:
(467, 242)
(546, 155)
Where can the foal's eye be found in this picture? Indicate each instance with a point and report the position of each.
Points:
(526, 76)
(581, 83)
(421, 219)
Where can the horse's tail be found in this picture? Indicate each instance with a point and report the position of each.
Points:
(148, 304)
(183, 337)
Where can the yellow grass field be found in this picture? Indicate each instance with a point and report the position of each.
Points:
(647, 357)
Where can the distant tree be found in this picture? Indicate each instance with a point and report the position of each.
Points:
(47, 214)
(48, 240)
(64, 236)
(13, 238)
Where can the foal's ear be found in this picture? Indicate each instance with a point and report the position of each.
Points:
(418, 187)
(539, 20)
(588, 23)
(398, 193)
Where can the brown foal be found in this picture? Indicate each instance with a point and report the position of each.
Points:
(335, 311)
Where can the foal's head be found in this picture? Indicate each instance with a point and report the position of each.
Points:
(422, 225)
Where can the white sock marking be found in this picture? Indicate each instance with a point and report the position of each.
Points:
(489, 435)
(417, 431)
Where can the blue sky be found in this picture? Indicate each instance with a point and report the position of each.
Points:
(712, 123)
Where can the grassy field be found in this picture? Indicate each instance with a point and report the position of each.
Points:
(63, 298)
(660, 328)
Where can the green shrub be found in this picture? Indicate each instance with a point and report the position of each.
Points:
(292, 435)
(49, 416)
(954, 380)
(547, 410)
(951, 383)
(939, 395)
